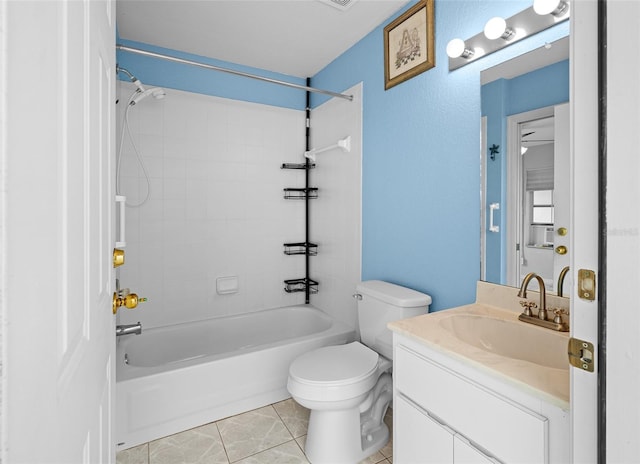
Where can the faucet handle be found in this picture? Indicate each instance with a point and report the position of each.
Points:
(527, 305)
(558, 314)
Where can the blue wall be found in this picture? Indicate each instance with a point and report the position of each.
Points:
(157, 72)
(421, 169)
(421, 188)
(502, 98)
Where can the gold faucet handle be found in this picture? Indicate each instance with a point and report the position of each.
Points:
(558, 312)
(528, 305)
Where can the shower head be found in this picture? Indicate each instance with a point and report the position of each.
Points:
(131, 77)
(143, 92)
(155, 92)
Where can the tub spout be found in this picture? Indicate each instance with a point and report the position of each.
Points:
(128, 329)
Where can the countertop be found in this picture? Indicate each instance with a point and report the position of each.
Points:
(550, 384)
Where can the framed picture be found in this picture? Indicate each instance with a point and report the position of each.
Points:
(409, 44)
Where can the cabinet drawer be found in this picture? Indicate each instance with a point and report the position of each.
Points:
(508, 430)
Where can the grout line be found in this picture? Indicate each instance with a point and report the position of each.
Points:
(282, 420)
(266, 449)
(224, 447)
(300, 447)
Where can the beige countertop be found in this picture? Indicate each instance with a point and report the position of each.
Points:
(490, 338)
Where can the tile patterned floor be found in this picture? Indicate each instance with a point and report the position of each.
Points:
(274, 434)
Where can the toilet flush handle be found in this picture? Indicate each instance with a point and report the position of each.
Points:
(357, 296)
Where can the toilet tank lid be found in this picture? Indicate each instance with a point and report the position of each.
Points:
(393, 294)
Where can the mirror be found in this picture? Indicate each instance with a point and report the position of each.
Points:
(525, 167)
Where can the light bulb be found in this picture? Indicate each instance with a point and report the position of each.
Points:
(496, 28)
(552, 7)
(456, 48)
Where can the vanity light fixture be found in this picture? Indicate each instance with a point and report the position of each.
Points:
(555, 8)
(496, 28)
(456, 48)
(542, 15)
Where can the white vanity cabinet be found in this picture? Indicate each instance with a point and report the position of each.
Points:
(446, 411)
(418, 437)
(423, 439)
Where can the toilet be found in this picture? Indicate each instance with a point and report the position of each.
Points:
(348, 387)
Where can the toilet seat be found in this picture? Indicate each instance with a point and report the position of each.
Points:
(334, 373)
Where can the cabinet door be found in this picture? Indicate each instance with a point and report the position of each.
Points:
(418, 439)
(509, 430)
(465, 453)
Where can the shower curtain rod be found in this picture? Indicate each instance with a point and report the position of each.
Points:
(231, 71)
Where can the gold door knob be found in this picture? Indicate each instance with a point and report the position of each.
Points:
(118, 257)
(562, 231)
(129, 301)
(561, 250)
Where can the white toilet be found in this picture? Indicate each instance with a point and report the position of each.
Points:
(348, 387)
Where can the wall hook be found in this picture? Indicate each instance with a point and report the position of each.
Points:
(493, 151)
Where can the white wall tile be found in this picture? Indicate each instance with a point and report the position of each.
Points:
(336, 214)
(216, 207)
(154, 166)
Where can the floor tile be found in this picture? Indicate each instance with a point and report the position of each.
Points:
(261, 436)
(201, 445)
(287, 453)
(135, 455)
(294, 416)
(374, 458)
(252, 432)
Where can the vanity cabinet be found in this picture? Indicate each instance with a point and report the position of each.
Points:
(448, 412)
(423, 439)
(419, 437)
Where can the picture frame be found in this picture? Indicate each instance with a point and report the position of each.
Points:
(409, 44)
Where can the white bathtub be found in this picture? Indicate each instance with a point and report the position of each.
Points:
(174, 378)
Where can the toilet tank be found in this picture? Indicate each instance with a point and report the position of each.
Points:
(382, 302)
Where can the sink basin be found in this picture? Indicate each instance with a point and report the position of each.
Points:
(510, 339)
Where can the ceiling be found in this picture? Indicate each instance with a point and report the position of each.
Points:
(293, 37)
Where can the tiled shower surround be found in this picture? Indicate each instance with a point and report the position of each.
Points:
(216, 207)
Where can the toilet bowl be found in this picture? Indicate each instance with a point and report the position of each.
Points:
(337, 384)
(348, 388)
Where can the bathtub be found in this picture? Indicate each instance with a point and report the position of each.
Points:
(174, 378)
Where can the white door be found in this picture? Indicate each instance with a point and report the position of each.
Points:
(623, 234)
(545, 134)
(56, 123)
(561, 194)
(584, 220)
